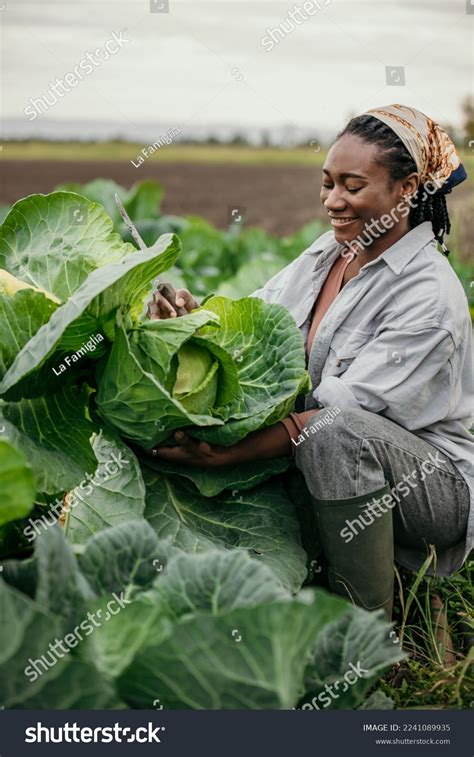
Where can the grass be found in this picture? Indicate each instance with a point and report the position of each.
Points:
(433, 676)
(124, 151)
(461, 241)
(196, 153)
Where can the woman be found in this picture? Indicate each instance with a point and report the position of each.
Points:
(383, 440)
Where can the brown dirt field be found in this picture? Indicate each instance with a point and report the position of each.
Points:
(278, 198)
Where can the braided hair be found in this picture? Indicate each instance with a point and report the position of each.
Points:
(395, 157)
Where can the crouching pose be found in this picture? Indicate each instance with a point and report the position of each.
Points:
(383, 438)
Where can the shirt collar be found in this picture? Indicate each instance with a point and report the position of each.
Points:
(396, 257)
(399, 254)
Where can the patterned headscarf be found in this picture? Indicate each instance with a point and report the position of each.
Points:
(430, 147)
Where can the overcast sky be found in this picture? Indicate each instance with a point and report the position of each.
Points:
(203, 64)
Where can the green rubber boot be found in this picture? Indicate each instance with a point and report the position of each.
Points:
(357, 540)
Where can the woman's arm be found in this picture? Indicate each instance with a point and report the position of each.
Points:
(269, 442)
(264, 444)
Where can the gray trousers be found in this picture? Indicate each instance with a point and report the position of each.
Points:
(359, 452)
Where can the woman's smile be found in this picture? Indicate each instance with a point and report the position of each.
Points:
(340, 222)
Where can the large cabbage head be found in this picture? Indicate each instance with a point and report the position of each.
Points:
(226, 369)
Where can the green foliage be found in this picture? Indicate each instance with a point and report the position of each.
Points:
(16, 482)
(233, 263)
(332, 657)
(209, 564)
(55, 241)
(206, 630)
(142, 201)
(96, 275)
(260, 520)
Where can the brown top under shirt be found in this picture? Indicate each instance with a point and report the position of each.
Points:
(295, 422)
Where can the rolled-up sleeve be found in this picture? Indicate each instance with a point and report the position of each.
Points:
(406, 375)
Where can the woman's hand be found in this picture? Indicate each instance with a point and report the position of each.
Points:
(190, 451)
(264, 444)
(160, 307)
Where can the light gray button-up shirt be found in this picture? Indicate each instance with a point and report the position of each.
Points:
(397, 341)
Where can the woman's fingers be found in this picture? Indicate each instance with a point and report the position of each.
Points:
(184, 299)
(160, 307)
(187, 442)
(171, 454)
(190, 442)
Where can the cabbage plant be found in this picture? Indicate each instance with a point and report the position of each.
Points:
(198, 553)
(227, 368)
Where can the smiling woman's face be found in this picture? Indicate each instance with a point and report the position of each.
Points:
(356, 190)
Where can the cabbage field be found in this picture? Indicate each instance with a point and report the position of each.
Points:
(210, 572)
